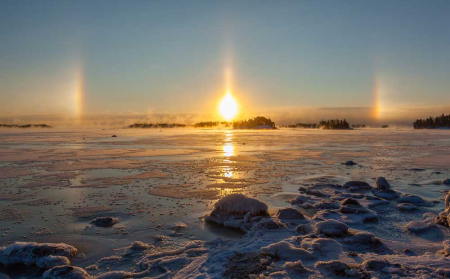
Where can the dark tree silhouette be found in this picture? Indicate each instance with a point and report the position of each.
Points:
(334, 124)
(25, 126)
(442, 121)
(157, 125)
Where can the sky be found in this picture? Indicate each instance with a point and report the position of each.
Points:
(390, 59)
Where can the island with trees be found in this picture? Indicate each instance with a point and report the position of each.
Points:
(334, 124)
(259, 122)
(439, 122)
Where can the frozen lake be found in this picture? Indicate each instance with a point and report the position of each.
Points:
(161, 184)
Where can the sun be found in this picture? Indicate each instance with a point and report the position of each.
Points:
(228, 107)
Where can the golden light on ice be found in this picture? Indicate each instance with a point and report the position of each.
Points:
(228, 107)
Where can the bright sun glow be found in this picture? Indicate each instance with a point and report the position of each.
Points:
(228, 107)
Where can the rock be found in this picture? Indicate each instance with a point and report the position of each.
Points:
(415, 200)
(66, 272)
(42, 255)
(297, 267)
(350, 201)
(357, 185)
(286, 251)
(290, 214)
(446, 181)
(304, 229)
(382, 184)
(336, 268)
(105, 221)
(419, 227)
(331, 228)
(406, 207)
(114, 136)
(350, 163)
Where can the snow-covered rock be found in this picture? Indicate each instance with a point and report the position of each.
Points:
(289, 214)
(237, 211)
(304, 229)
(297, 267)
(286, 251)
(446, 249)
(406, 207)
(105, 221)
(357, 186)
(419, 227)
(382, 184)
(337, 268)
(42, 255)
(375, 265)
(367, 238)
(415, 200)
(444, 216)
(138, 246)
(66, 272)
(331, 228)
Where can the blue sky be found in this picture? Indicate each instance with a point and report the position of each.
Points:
(170, 56)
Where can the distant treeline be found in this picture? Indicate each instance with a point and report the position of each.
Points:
(327, 124)
(25, 126)
(259, 122)
(359, 126)
(334, 124)
(157, 125)
(211, 124)
(303, 125)
(442, 121)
